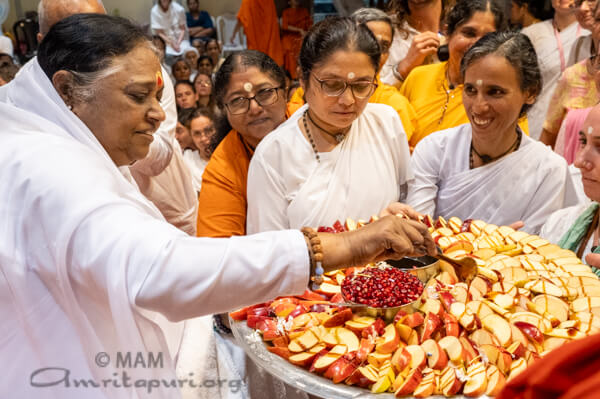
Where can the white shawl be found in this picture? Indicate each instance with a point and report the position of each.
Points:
(288, 188)
(528, 184)
(86, 261)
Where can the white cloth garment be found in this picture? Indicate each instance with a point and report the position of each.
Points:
(173, 23)
(357, 179)
(398, 51)
(544, 41)
(163, 176)
(582, 48)
(196, 165)
(528, 184)
(87, 262)
(6, 45)
(561, 221)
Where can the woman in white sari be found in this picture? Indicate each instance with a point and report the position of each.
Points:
(337, 157)
(88, 266)
(488, 169)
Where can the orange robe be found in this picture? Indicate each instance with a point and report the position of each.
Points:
(261, 26)
(384, 94)
(222, 202)
(571, 371)
(292, 41)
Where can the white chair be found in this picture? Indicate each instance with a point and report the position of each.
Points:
(225, 26)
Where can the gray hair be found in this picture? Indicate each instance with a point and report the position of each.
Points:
(517, 49)
(365, 15)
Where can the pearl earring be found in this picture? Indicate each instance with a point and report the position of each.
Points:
(70, 107)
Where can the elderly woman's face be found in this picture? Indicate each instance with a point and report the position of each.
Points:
(181, 71)
(468, 33)
(192, 58)
(125, 111)
(492, 97)
(588, 157)
(258, 120)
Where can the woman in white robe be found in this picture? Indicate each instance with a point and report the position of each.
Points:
(336, 157)
(89, 266)
(552, 40)
(488, 169)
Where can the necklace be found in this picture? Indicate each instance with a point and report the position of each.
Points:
(310, 138)
(337, 136)
(448, 90)
(485, 159)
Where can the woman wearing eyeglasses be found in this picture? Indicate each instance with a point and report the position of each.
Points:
(249, 89)
(338, 156)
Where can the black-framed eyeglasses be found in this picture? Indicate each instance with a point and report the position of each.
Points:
(336, 87)
(241, 105)
(578, 3)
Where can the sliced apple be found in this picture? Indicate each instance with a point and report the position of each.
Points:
(517, 349)
(427, 386)
(585, 304)
(536, 320)
(404, 331)
(304, 342)
(464, 316)
(302, 359)
(483, 337)
(567, 333)
(530, 331)
(436, 356)
(476, 384)
(413, 320)
(479, 308)
(322, 363)
(382, 385)
(449, 383)
(363, 376)
(401, 359)
(542, 286)
(418, 358)
(551, 343)
(431, 305)
(348, 338)
(410, 383)
(453, 348)
(518, 366)
(389, 341)
(377, 359)
(552, 305)
(496, 380)
(460, 292)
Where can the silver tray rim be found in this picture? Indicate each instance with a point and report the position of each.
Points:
(300, 378)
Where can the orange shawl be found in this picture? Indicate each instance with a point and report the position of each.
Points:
(222, 202)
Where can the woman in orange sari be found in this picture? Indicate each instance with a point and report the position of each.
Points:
(295, 21)
(249, 89)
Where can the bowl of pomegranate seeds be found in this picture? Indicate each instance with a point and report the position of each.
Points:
(384, 289)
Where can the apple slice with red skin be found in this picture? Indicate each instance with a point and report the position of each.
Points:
(418, 358)
(342, 368)
(401, 359)
(280, 351)
(517, 349)
(469, 349)
(323, 362)
(348, 338)
(378, 359)
(451, 325)
(453, 348)
(431, 324)
(436, 356)
(449, 383)
(375, 330)
(242, 314)
(498, 326)
(339, 318)
(366, 346)
(531, 331)
(363, 376)
(311, 296)
(446, 299)
(389, 341)
(304, 359)
(427, 385)
(413, 320)
(410, 383)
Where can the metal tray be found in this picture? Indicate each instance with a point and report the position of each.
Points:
(298, 377)
(302, 379)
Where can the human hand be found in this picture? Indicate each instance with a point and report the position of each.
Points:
(518, 225)
(423, 45)
(398, 208)
(593, 260)
(390, 237)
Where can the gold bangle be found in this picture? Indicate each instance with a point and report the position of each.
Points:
(315, 254)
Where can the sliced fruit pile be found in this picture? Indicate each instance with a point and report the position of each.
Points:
(529, 297)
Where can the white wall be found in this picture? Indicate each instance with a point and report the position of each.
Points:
(138, 10)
